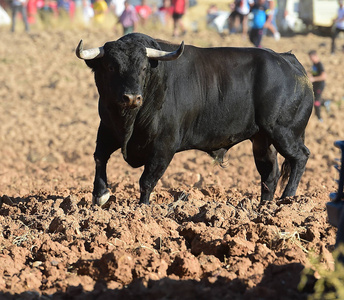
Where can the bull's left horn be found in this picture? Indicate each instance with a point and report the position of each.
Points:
(89, 53)
(164, 55)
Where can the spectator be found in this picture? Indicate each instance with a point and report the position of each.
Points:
(117, 7)
(240, 16)
(179, 9)
(19, 6)
(63, 7)
(100, 9)
(317, 78)
(31, 11)
(217, 19)
(339, 25)
(212, 13)
(87, 11)
(270, 19)
(143, 11)
(129, 18)
(165, 12)
(45, 11)
(259, 11)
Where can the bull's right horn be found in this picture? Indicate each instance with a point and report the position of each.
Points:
(89, 53)
(164, 55)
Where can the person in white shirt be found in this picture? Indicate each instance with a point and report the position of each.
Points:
(240, 15)
(117, 7)
(339, 25)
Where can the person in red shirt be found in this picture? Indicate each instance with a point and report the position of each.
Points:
(165, 12)
(31, 11)
(144, 11)
(179, 9)
(128, 18)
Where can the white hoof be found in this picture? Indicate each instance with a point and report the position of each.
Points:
(101, 200)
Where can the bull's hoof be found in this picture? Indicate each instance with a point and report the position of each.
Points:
(101, 200)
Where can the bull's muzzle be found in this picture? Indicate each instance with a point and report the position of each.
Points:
(131, 101)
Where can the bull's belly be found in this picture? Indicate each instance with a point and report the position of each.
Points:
(139, 153)
(136, 158)
(215, 141)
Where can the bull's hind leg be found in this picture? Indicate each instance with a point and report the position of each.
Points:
(265, 157)
(106, 145)
(297, 168)
(296, 154)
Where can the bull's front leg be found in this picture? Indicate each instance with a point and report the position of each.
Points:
(106, 145)
(153, 171)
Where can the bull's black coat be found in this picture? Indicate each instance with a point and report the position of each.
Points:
(208, 99)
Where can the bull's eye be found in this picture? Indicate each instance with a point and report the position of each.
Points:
(111, 68)
(144, 69)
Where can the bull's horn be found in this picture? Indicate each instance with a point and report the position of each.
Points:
(89, 53)
(164, 55)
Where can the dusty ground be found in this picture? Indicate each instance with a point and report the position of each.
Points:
(204, 236)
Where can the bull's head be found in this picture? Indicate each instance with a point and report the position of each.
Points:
(122, 67)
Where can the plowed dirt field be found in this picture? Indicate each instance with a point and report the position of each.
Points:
(205, 234)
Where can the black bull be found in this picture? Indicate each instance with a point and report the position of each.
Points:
(154, 104)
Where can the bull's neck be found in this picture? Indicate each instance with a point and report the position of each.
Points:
(121, 120)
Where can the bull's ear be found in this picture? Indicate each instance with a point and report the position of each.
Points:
(92, 63)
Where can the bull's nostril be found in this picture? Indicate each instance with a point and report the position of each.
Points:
(132, 100)
(138, 99)
(126, 98)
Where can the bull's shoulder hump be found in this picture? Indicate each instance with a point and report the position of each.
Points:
(288, 55)
(292, 59)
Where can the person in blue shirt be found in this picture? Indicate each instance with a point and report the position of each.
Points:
(260, 11)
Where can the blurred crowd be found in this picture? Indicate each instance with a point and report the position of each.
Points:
(254, 18)
(251, 18)
(128, 13)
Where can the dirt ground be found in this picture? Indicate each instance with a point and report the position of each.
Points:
(204, 236)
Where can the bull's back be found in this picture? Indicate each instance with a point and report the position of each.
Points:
(221, 96)
(211, 93)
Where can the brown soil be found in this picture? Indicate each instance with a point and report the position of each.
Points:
(204, 236)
